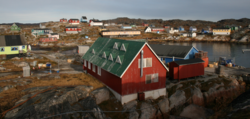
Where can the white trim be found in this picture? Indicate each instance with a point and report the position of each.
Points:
(93, 67)
(157, 57)
(132, 61)
(190, 51)
(170, 57)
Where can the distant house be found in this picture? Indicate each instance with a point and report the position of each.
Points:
(15, 28)
(120, 33)
(172, 30)
(118, 64)
(102, 29)
(39, 31)
(12, 45)
(74, 21)
(73, 30)
(84, 19)
(95, 22)
(166, 26)
(192, 29)
(49, 39)
(152, 25)
(126, 27)
(207, 29)
(42, 25)
(56, 35)
(110, 24)
(133, 25)
(154, 29)
(147, 30)
(221, 31)
(144, 24)
(190, 34)
(2, 30)
(63, 20)
(169, 53)
(181, 28)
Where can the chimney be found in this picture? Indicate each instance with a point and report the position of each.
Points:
(141, 63)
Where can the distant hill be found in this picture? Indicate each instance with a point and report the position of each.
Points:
(178, 22)
(24, 25)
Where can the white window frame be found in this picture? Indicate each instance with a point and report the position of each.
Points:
(93, 67)
(89, 65)
(154, 78)
(85, 63)
(146, 62)
(1, 49)
(99, 71)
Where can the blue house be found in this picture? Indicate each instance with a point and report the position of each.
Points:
(192, 29)
(206, 30)
(181, 28)
(168, 53)
(84, 19)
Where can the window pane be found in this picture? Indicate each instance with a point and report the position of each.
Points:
(154, 77)
(149, 62)
(148, 79)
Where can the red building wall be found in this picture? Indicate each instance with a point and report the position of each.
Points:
(133, 83)
(158, 29)
(206, 62)
(73, 21)
(73, 29)
(185, 71)
(107, 78)
(63, 20)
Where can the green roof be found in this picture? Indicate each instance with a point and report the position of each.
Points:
(106, 45)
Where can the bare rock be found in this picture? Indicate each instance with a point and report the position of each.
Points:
(147, 111)
(197, 97)
(164, 105)
(196, 112)
(101, 94)
(130, 105)
(179, 86)
(177, 99)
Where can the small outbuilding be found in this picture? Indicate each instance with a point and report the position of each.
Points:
(182, 69)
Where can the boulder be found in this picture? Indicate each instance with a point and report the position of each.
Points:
(101, 94)
(197, 97)
(164, 105)
(179, 86)
(196, 112)
(130, 105)
(177, 99)
(147, 111)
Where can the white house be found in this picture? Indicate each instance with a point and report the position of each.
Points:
(192, 29)
(53, 35)
(192, 34)
(42, 25)
(147, 30)
(94, 22)
(172, 30)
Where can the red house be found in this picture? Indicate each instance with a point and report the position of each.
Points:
(73, 30)
(63, 20)
(186, 68)
(144, 24)
(74, 21)
(166, 26)
(117, 63)
(50, 39)
(157, 29)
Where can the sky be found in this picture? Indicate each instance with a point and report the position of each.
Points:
(35, 11)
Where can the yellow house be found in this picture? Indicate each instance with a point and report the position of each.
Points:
(115, 33)
(221, 31)
(102, 29)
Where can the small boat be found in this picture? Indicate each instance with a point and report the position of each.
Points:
(244, 50)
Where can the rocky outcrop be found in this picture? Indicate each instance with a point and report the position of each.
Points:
(164, 105)
(57, 101)
(196, 112)
(147, 111)
(177, 99)
(100, 95)
(197, 97)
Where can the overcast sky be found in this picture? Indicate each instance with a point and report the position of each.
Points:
(34, 11)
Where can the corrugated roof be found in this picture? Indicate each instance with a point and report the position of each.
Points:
(171, 50)
(189, 61)
(12, 40)
(106, 45)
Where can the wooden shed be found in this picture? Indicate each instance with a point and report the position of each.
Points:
(186, 68)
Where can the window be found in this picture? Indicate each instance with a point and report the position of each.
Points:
(89, 65)
(99, 71)
(104, 55)
(147, 62)
(23, 47)
(110, 57)
(85, 63)
(93, 67)
(118, 60)
(2, 49)
(13, 48)
(151, 78)
(123, 48)
(115, 46)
